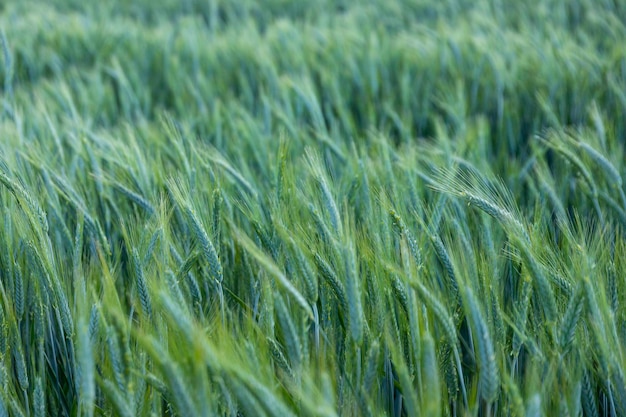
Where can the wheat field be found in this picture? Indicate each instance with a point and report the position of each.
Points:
(332, 208)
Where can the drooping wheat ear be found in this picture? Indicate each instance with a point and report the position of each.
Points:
(20, 367)
(593, 308)
(570, 318)
(448, 369)
(181, 196)
(440, 312)
(18, 291)
(208, 249)
(92, 225)
(142, 287)
(521, 316)
(560, 146)
(402, 229)
(487, 361)
(331, 279)
(309, 278)
(541, 282)
(277, 355)
(546, 184)
(492, 198)
(270, 266)
(399, 291)
(618, 384)
(39, 399)
(290, 334)
(354, 296)
(115, 356)
(134, 197)
(218, 201)
(94, 322)
(184, 267)
(588, 396)
(444, 257)
(609, 169)
(316, 166)
(154, 239)
(612, 173)
(36, 216)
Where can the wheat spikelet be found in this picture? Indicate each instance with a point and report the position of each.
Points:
(288, 327)
(613, 175)
(154, 239)
(39, 399)
(570, 318)
(190, 279)
(542, 285)
(559, 145)
(28, 204)
(115, 356)
(94, 323)
(493, 199)
(439, 311)
(217, 210)
(488, 367)
(272, 269)
(278, 356)
(609, 169)
(399, 291)
(588, 397)
(135, 198)
(310, 280)
(208, 249)
(142, 287)
(444, 257)
(331, 279)
(354, 297)
(402, 229)
(522, 313)
(315, 164)
(20, 368)
(18, 291)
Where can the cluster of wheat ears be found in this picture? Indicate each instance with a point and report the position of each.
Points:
(334, 208)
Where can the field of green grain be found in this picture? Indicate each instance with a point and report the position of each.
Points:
(330, 208)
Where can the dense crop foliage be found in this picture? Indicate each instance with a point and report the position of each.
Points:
(286, 208)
